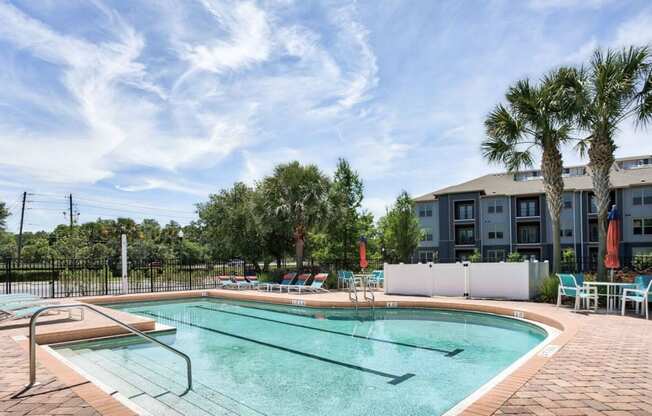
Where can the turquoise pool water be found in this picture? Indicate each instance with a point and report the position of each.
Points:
(260, 359)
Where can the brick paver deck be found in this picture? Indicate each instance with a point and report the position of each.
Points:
(51, 397)
(606, 369)
(604, 366)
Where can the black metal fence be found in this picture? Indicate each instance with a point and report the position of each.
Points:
(67, 278)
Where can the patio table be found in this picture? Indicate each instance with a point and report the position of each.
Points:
(614, 292)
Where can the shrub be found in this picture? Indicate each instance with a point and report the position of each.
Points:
(476, 257)
(642, 261)
(548, 289)
(514, 257)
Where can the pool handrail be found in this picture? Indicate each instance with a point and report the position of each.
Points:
(32, 340)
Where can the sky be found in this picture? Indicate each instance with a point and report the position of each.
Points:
(143, 108)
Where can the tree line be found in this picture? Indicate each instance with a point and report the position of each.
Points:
(584, 106)
(297, 213)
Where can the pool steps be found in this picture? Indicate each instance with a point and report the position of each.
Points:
(152, 386)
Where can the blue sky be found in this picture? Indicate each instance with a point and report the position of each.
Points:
(143, 108)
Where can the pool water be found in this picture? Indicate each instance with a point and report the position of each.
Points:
(261, 359)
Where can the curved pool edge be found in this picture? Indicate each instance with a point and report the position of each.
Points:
(560, 324)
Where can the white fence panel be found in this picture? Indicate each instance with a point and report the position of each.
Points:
(520, 281)
(409, 279)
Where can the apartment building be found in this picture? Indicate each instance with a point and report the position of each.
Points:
(502, 213)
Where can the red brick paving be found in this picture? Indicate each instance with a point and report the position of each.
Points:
(603, 368)
(606, 369)
(51, 397)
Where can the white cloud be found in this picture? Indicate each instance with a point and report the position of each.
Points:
(149, 184)
(567, 4)
(636, 31)
(248, 39)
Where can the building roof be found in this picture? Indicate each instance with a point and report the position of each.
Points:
(505, 184)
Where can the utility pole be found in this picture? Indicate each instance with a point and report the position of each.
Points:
(70, 212)
(20, 231)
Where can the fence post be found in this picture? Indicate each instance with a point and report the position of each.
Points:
(190, 274)
(106, 276)
(8, 281)
(52, 280)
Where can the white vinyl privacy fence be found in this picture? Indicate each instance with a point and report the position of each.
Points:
(520, 281)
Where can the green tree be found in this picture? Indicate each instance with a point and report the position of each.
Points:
(616, 86)
(536, 118)
(4, 214)
(230, 224)
(37, 250)
(399, 229)
(298, 196)
(343, 227)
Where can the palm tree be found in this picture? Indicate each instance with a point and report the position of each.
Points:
(616, 86)
(297, 194)
(534, 120)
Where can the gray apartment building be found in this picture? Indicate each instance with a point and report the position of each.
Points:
(502, 213)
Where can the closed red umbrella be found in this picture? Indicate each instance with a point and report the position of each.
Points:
(612, 260)
(363, 253)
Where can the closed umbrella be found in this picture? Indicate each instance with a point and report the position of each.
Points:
(612, 260)
(362, 243)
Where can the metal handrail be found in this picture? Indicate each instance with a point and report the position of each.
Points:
(353, 292)
(32, 340)
(368, 289)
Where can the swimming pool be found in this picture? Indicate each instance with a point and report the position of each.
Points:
(262, 359)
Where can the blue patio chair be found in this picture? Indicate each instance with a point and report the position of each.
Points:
(640, 294)
(573, 287)
(346, 276)
(299, 284)
(377, 278)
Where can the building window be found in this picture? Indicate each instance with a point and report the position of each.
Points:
(464, 210)
(642, 198)
(528, 207)
(566, 232)
(496, 255)
(495, 232)
(593, 204)
(642, 226)
(427, 256)
(568, 204)
(426, 234)
(593, 231)
(425, 211)
(495, 207)
(528, 233)
(464, 235)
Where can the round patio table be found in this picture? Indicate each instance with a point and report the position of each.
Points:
(614, 292)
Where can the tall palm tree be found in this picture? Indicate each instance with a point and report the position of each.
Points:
(616, 86)
(297, 194)
(534, 120)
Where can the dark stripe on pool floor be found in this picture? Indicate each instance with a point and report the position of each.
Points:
(394, 378)
(330, 331)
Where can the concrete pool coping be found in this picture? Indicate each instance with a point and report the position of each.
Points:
(559, 322)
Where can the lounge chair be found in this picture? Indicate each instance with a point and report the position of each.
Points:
(640, 294)
(27, 308)
(238, 282)
(300, 284)
(253, 281)
(573, 287)
(317, 283)
(288, 280)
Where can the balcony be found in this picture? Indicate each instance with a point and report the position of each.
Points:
(527, 207)
(528, 234)
(464, 211)
(465, 235)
